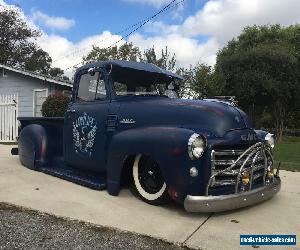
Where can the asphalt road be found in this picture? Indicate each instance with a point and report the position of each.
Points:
(22, 228)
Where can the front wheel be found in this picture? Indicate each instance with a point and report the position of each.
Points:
(148, 181)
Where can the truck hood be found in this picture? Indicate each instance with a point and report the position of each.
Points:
(207, 116)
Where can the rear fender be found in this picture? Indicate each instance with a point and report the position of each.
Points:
(33, 146)
(166, 145)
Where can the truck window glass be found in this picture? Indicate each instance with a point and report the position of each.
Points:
(101, 91)
(137, 88)
(88, 86)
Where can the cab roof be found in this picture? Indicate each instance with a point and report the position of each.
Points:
(131, 65)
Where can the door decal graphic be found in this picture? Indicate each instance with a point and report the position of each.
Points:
(84, 134)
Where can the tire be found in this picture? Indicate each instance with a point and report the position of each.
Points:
(148, 181)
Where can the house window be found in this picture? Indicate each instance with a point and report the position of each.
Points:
(39, 96)
(67, 93)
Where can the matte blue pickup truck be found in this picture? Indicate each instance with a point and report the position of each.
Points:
(125, 126)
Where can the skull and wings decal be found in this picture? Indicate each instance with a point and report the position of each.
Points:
(84, 134)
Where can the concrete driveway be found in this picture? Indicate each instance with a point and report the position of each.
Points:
(24, 187)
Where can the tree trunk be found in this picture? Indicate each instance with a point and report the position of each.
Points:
(279, 123)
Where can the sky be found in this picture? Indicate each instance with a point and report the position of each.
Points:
(193, 29)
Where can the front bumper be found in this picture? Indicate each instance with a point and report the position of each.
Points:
(221, 203)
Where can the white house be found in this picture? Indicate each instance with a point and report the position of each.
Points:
(22, 93)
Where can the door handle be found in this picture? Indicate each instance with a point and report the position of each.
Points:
(69, 112)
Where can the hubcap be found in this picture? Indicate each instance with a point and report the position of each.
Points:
(150, 176)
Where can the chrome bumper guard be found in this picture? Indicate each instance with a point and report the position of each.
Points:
(241, 198)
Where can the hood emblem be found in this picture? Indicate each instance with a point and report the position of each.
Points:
(249, 137)
(127, 121)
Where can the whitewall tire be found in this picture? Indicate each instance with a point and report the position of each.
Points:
(148, 182)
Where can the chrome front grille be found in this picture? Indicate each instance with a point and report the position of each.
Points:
(228, 166)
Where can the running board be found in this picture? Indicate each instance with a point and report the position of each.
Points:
(85, 178)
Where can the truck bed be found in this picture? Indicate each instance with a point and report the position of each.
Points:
(41, 120)
(54, 129)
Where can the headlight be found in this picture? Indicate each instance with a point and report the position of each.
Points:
(269, 138)
(196, 146)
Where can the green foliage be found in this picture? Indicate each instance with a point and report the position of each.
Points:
(207, 83)
(128, 52)
(17, 43)
(15, 46)
(185, 87)
(55, 105)
(200, 81)
(56, 72)
(39, 62)
(261, 68)
(288, 152)
(125, 52)
(165, 61)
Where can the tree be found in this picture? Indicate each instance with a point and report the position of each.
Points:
(206, 82)
(39, 62)
(165, 61)
(126, 51)
(129, 52)
(56, 72)
(15, 44)
(261, 68)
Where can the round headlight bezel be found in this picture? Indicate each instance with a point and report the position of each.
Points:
(196, 151)
(270, 139)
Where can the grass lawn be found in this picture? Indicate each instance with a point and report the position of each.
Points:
(288, 152)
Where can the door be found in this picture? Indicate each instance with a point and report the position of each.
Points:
(85, 123)
(39, 96)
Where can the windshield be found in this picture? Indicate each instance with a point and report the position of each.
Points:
(145, 89)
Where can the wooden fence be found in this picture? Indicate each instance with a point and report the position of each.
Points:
(8, 118)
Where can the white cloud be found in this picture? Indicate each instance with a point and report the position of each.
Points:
(65, 54)
(60, 23)
(218, 21)
(225, 19)
(2, 3)
(160, 28)
(187, 50)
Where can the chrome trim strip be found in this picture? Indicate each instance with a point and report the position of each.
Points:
(258, 155)
(240, 171)
(229, 152)
(208, 204)
(252, 170)
(229, 162)
(212, 156)
(235, 172)
(249, 152)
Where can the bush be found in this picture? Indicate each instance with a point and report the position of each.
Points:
(55, 105)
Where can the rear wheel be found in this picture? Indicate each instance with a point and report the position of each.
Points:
(148, 181)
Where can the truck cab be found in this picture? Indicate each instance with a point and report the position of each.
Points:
(125, 124)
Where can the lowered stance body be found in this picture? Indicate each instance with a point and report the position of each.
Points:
(122, 127)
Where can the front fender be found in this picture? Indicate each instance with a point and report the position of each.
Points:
(166, 145)
(261, 134)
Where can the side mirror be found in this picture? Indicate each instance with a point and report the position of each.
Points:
(91, 71)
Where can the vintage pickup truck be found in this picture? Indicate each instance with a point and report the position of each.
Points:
(124, 126)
